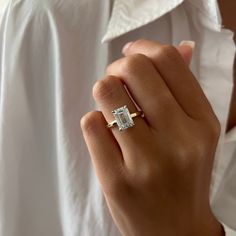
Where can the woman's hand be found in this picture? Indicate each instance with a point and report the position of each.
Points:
(155, 175)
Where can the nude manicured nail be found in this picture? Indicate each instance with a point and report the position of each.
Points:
(126, 47)
(188, 43)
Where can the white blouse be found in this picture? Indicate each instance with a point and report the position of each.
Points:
(51, 54)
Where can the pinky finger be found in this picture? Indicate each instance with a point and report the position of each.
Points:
(103, 148)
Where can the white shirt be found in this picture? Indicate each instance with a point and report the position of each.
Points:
(51, 54)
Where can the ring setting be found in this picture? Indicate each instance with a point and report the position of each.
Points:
(123, 118)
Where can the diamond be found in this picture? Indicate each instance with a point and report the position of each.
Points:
(123, 118)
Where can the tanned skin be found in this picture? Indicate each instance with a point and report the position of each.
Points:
(228, 8)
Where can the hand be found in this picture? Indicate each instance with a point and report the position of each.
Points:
(156, 175)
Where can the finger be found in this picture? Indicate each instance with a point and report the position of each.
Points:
(110, 94)
(172, 68)
(103, 148)
(147, 88)
(185, 49)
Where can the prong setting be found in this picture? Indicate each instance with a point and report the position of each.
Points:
(123, 118)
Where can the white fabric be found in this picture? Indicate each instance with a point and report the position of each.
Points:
(228, 231)
(50, 56)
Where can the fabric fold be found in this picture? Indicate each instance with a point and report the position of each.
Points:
(129, 15)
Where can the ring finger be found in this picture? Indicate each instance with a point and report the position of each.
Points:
(110, 94)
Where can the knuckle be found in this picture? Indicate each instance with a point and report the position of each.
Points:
(138, 42)
(170, 52)
(211, 130)
(182, 161)
(146, 175)
(116, 188)
(88, 122)
(198, 150)
(134, 62)
(216, 129)
(104, 89)
(188, 154)
(111, 68)
(182, 151)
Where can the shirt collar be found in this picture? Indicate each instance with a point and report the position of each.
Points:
(129, 15)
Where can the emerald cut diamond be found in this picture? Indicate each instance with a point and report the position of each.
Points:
(123, 118)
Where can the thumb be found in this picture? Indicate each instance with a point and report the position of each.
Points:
(186, 49)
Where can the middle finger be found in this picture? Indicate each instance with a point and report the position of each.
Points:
(147, 88)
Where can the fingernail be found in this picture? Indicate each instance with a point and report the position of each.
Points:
(126, 47)
(189, 43)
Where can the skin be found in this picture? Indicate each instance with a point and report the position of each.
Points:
(229, 21)
(156, 175)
